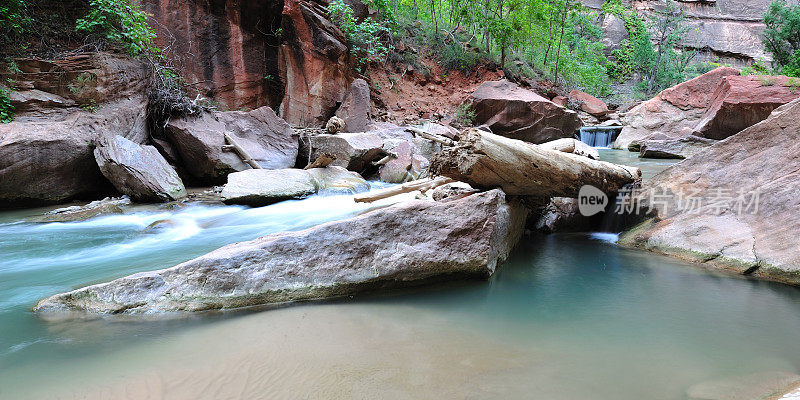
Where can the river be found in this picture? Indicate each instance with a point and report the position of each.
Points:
(569, 316)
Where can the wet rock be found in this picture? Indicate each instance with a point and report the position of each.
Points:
(48, 161)
(511, 111)
(589, 103)
(109, 205)
(674, 148)
(742, 101)
(675, 111)
(138, 171)
(199, 140)
(730, 226)
(260, 187)
(353, 151)
(355, 108)
(406, 244)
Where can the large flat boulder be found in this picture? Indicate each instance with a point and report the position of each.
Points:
(138, 171)
(200, 139)
(51, 160)
(403, 245)
(729, 226)
(674, 112)
(512, 111)
(742, 101)
(260, 187)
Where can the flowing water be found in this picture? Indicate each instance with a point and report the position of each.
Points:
(567, 317)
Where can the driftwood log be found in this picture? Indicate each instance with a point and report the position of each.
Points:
(572, 146)
(243, 154)
(420, 184)
(488, 161)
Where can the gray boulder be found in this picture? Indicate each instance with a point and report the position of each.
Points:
(51, 160)
(353, 151)
(260, 187)
(403, 245)
(138, 171)
(199, 140)
(355, 107)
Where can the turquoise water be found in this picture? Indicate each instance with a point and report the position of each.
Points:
(567, 317)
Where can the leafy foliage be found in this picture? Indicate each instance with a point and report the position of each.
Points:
(366, 38)
(782, 35)
(14, 20)
(6, 109)
(120, 23)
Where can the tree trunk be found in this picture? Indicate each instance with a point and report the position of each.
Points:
(487, 161)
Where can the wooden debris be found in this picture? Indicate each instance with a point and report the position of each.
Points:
(422, 185)
(243, 154)
(572, 146)
(334, 125)
(431, 136)
(324, 160)
(487, 161)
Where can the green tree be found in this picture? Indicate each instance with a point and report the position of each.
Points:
(120, 23)
(782, 36)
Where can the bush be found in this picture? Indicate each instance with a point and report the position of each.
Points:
(465, 115)
(14, 21)
(366, 38)
(6, 109)
(120, 23)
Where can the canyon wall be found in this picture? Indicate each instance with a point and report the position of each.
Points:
(253, 53)
(727, 31)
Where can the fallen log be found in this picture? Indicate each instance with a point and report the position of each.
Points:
(487, 161)
(431, 136)
(572, 146)
(243, 154)
(422, 185)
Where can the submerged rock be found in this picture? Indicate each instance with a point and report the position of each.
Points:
(674, 112)
(109, 205)
(764, 385)
(511, 111)
(138, 171)
(403, 245)
(739, 205)
(260, 187)
(200, 139)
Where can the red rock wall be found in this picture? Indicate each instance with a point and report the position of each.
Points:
(252, 53)
(226, 49)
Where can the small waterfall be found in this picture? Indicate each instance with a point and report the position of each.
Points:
(599, 136)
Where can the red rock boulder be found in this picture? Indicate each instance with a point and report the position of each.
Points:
(742, 101)
(512, 111)
(589, 103)
(675, 111)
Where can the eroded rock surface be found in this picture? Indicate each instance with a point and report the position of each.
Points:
(730, 227)
(406, 244)
(355, 108)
